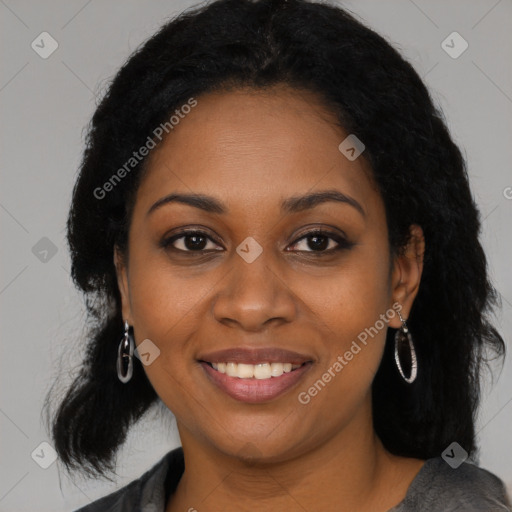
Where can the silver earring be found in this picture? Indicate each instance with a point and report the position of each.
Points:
(403, 341)
(125, 356)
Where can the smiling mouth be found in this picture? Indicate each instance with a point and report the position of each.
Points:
(255, 383)
(259, 371)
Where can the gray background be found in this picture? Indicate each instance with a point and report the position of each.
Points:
(45, 105)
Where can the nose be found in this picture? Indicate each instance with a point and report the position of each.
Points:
(253, 294)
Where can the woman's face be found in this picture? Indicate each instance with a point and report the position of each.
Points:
(252, 281)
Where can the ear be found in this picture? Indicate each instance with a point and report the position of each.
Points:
(406, 275)
(122, 283)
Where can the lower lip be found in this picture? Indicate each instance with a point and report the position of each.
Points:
(255, 390)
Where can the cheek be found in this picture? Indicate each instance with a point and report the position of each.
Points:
(166, 311)
(161, 298)
(353, 296)
(354, 307)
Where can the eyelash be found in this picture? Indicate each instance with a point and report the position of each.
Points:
(342, 243)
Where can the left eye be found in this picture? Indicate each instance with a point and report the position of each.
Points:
(321, 241)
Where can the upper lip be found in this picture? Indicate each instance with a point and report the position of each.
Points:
(246, 355)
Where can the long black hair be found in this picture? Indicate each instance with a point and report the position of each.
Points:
(420, 172)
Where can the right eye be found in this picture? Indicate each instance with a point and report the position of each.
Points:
(190, 241)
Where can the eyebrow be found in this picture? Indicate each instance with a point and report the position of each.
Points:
(290, 205)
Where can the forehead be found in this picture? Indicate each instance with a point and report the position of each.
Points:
(253, 147)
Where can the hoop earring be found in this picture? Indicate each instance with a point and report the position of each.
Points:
(403, 340)
(125, 356)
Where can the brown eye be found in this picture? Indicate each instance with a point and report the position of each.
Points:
(189, 241)
(322, 242)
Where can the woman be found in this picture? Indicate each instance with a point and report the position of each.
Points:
(271, 209)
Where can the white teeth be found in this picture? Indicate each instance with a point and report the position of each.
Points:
(232, 369)
(257, 371)
(245, 371)
(262, 371)
(276, 369)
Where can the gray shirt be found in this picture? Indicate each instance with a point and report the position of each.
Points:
(436, 488)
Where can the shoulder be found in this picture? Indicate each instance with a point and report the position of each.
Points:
(438, 486)
(148, 489)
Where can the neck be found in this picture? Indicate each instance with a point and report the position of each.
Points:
(350, 471)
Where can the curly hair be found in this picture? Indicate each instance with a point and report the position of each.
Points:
(420, 173)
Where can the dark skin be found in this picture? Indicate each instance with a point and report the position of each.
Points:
(251, 150)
